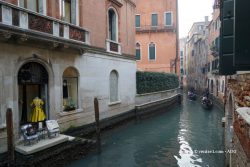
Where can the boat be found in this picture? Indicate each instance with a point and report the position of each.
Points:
(191, 96)
(207, 103)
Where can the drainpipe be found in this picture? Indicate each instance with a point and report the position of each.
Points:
(177, 37)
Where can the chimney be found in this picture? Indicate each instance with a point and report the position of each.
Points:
(206, 20)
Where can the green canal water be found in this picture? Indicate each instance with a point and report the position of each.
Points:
(174, 138)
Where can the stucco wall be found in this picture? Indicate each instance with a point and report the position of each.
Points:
(165, 51)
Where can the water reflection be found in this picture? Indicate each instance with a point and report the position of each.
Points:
(166, 140)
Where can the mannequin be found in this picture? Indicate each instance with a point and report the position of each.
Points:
(37, 113)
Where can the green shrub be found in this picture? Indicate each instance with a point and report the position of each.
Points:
(147, 82)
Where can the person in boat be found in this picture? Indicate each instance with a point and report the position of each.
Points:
(207, 93)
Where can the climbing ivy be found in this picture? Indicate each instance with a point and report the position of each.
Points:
(147, 82)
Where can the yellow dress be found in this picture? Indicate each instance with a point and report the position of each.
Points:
(37, 113)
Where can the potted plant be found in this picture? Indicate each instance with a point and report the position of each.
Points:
(69, 105)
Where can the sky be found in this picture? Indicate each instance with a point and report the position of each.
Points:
(191, 11)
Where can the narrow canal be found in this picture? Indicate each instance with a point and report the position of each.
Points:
(174, 138)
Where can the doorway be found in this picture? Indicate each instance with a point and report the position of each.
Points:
(32, 82)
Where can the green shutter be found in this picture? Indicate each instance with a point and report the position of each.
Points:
(154, 20)
(137, 21)
(227, 38)
(168, 17)
(152, 52)
(242, 34)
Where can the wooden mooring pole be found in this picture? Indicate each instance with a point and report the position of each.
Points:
(98, 131)
(10, 137)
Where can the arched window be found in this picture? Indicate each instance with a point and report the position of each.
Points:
(113, 24)
(70, 89)
(113, 81)
(152, 51)
(138, 51)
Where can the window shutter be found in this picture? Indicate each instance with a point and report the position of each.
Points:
(168, 17)
(154, 21)
(242, 34)
(227, 38)
(138, 54)
(152, 52)
(73, 11)
(137, 21)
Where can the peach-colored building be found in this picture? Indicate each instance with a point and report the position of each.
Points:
(66, 52)
(156, 35)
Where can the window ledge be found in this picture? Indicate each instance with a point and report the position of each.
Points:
(114, 103)
(66, 113)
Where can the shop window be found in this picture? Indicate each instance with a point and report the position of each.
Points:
(70, 89)
(113, 81)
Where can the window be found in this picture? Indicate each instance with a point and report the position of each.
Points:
(154, 19)
(112, 22)
(217, 43)
(168, 18)
(192, 52)
(138, 51)
(69, 10)
(181, 54)
(152, 51)
(34, 5)
(137, 21)
(70, 89)
(113, 81)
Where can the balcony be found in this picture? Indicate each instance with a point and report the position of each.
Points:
(113, 47)
(159, 28)
(242, 128)
(22, 23)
